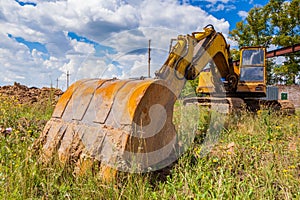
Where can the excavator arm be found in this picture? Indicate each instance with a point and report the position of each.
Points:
(193, 53)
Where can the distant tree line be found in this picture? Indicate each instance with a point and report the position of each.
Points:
(276, 23)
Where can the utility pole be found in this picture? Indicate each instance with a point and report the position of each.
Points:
(57, 83)
(149, 58)
(68, 75)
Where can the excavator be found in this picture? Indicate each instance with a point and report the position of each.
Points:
(127, 125)
(247, 87)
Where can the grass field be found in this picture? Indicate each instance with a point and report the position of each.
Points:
(257, 156)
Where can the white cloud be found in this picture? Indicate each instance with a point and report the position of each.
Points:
(122, 26)
(182, 18)
(216, 1)
(82, 47)
(243, 14)
(221, 7)
(17, 61)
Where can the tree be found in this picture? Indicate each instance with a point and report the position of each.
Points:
(285, 18)
(277, 23)
(254, 30)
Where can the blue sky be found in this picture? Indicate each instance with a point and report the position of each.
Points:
(42, 40)
(233, 11)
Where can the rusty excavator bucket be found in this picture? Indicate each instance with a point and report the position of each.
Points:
(109, 120)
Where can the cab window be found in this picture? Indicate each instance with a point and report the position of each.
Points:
(252, 66)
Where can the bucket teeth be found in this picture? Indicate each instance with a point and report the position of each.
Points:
(53, 138)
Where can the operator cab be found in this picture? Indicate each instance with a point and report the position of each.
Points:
(252, 78)
(252, 66)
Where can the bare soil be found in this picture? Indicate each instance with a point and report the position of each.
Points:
(30, 95)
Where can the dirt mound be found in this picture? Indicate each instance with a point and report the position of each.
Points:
(31, 95)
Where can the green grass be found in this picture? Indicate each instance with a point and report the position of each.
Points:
(257, 156)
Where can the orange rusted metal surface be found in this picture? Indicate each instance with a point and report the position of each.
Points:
(113, 121)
